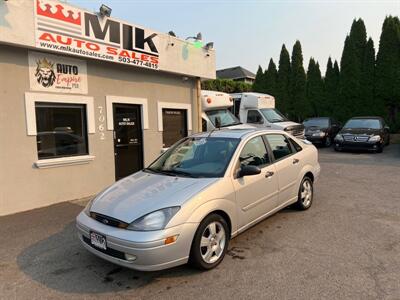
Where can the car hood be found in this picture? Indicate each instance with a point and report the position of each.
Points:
(288, 124)
(315, 128)
(360, 131)
(142, 193)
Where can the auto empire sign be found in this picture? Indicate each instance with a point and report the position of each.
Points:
(64, 28)
(55, 73)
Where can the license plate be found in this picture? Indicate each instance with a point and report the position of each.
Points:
(98, 240)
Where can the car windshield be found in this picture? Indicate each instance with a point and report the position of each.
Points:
(363, 124)
(196, 157)
(226, 118)
(273, 115)
(320, 122)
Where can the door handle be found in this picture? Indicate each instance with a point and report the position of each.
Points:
(269, 174)
(295, 161)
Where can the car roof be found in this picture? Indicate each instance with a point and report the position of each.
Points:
(313, 118)
(368, 117)
(234, 133)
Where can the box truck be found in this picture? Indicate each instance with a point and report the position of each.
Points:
(217, 113)
(259, 110)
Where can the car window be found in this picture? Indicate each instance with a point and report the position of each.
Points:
(280, 145)
(253, 116)
(254, 153)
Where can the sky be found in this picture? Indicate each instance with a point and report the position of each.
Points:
(248, 33)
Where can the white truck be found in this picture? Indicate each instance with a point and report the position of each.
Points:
(259, 110)
(217, 113)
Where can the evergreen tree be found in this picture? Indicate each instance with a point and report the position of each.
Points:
(282, 86)
(258, 85)
(368, 106)
(298, 107)
(331, 85)
(358, 35)
(315, 90)
(350, 74)
(387, 90)
(271, 78)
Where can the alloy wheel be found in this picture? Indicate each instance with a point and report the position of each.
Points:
(306, 193)
(212, 242)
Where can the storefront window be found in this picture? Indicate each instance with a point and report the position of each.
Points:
(61, 130)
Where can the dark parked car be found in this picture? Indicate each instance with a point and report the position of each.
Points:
(363, 133)
(321, 130)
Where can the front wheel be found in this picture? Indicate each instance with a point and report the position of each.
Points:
(328, 142)
(210, 243)
(305, 195)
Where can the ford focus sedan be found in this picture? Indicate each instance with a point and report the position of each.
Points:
(205, 190)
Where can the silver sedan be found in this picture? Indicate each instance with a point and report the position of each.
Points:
(189, 203)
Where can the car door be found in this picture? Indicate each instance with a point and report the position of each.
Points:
(288, 164)
(256, 195)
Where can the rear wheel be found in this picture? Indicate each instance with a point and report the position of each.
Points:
(306, 194)
(210, 243)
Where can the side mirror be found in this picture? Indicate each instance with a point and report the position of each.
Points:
(387, 128)
(249, 170)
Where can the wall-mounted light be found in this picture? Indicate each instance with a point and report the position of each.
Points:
(105, 11)
(198, 37)
(209, 46)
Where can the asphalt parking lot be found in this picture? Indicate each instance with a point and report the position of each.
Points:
(347, 246)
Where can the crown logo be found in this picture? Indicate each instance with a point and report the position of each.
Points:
(44, 63)
(58, 12)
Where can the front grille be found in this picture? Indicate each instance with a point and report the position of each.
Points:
(109, 251)
(296, 130)
(108, 220)
(355, 138)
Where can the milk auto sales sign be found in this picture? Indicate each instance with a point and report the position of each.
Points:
(54, 73)
(64, 28)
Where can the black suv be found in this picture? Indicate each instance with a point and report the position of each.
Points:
(321, 130)
(363, 133)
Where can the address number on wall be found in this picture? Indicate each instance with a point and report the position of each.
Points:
(101, 120)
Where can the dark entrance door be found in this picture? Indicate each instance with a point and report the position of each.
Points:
(128, 146)
(174, 125)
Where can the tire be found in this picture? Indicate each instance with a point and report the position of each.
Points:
(387, 141)
(328, 142)
(337, 149)
(380, 149)
(305, 195)
(212, 253)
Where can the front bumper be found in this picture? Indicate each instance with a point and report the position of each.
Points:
(148, 247)
(316, 139)
(357, 145)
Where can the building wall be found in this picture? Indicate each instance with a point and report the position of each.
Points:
(22, 185)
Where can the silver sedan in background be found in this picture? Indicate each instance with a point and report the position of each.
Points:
(203, 191)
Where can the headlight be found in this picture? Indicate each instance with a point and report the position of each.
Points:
(156, 220)
(88, 207)
(375, 138)
(319, 133)
(339, 138)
